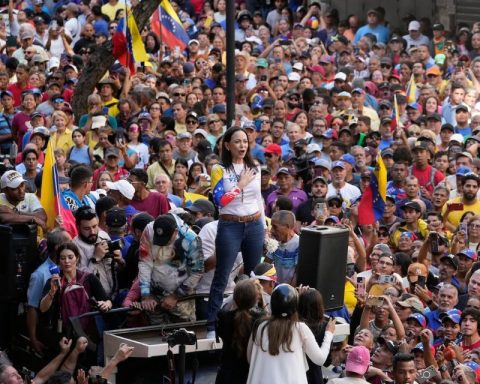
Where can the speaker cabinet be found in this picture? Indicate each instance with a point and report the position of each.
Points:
(19, 258)
(322, 262)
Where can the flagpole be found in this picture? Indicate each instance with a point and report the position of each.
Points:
(160, 53)
(230, 62)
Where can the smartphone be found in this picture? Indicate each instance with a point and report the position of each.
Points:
(144, 124)
(263, 78)
(319, 208)
(422, 280)
(186, 82)
(375, 301)
(285, 42)
(463, 227)
(434, 243)
(54, 25)
(386, 279)
(427, 374)
(455, 207)
(350, 269)
(361, 286)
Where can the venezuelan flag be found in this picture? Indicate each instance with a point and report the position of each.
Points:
(217, 185)
(166, 23)
(128, 46)
(51, 198)
(372, 203)
(412, 91)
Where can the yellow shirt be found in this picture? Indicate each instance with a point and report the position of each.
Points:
(454, 217)
(111, 10)
(63, 140)
(112, 106)
(349, 297)
(154, 170)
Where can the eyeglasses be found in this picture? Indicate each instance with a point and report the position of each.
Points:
(388, 263)
(268, 155)
(475, 226)
(293, 98)
(334, 205)
(57, 78)
(213, 121)
(177, 94)
(385, 66)
(113, 27)
(383, 234)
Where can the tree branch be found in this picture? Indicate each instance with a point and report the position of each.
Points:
(102, 59)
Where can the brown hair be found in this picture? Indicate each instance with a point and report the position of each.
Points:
(280, 334)
(245, 296)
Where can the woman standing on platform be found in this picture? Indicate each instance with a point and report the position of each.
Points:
(241, 224)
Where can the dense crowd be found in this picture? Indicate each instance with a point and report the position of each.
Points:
(182, 215)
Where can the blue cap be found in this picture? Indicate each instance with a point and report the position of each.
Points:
(219, 108)
(358, 90)
(418, 347)
(6, 93)
(329, 133)
(338, 163)
(420, 319)
(462, 171)
(348, 158)
(452, 314)
(335, 219)
(202, 120)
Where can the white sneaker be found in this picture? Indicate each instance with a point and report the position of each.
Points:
(210, 335)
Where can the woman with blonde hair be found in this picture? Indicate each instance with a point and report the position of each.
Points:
(62, 137)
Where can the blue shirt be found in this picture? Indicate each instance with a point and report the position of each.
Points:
(38, 279)
(258, 153)
(381, 32)
(5, 129)
(74, 202)
(175, 199)
(433, 318)
(465, 132)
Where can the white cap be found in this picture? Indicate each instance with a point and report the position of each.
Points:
(11, 179)
(298, 66)
(457, 137)
(313, 148)
(341, 76)
(414, 26)
(200, 131)
(54, 62)
(98, 121)
(122, 186)
(293, 76)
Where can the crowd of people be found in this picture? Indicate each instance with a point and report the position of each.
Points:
(182, 215)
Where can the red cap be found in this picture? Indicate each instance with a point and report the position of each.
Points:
(273, 148)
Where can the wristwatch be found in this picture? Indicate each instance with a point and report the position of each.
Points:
(443, 368)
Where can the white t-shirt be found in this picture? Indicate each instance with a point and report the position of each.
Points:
(348, 192)
(142, 152)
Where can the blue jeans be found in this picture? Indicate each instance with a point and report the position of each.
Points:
(233, 237)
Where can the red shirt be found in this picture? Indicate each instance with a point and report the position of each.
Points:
(424, 177)
(116, 176)
(67, 95)
(17, 93)
(155, 204)
(470, 347)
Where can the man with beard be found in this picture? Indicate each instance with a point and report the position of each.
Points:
(396, 186)
(403, 369)
(92, 243)
(382, 360)
(468, 202)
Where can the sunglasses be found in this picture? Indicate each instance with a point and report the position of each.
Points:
(133, 129)
(334, 205)
(385, 66)
(268, 155)
(179, 94)
(213, 121)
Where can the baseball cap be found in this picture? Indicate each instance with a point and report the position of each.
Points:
(415, 270)
(116, 217)
(122, 186)
(329, 134)
(384, 248)
(6, 93)
(414, 26)
(434, 116)
(451, 259)
(40, 131)
(340, 76)
(472, 255)
(184, 135)
(203, 206)
(112, 152)
(335, 219)
(163, 228)
(348, 158)
(318, 162)
(462, 171)
(412, 302)
(320, 178)
(273, 148)
(284, 171)
(141, 220)
(313, 147)
(456, 137)
(462, 107)
(219, 108)
(263, 63)
(420, 319)
(452, 314)
(11, 179)
(293, 76)
(434, 70)
(413, 205)
(339, 164)
(420, 144)
(387, 152)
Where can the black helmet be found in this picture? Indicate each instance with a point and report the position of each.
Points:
(284, 301)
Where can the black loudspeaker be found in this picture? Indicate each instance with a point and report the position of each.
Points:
(19, 258)
(322, 262)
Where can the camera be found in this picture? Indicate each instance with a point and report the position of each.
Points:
(434, 243)
(181, 337)
(97, 380)
(115, 245)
